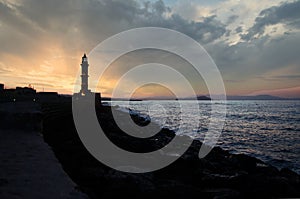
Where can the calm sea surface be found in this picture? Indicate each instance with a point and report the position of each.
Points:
(268, 130)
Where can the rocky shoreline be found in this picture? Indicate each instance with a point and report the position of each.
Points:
(218, 175)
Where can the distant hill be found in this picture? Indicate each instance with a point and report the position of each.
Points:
(203, 98)
(256, 97)
(198, 98)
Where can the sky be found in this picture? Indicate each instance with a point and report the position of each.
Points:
(255, 44)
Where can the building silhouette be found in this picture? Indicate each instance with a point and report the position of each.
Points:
(28, 94)
(84, 76)
(25, 90)
(1, 87)
(85, 92)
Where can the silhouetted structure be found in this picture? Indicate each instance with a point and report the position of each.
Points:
(84, 76)
(17, 94)
(85, 92)
(25, 91)
(48, 97)
(29, 94)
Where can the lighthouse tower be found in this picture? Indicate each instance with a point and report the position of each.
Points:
(85, 93)
(84, 76)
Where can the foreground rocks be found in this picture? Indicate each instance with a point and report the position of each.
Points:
(219, 175)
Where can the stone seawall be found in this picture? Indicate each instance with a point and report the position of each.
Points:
(28, 166)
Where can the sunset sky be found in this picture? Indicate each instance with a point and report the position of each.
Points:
(255, 44)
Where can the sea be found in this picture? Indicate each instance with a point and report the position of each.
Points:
(267, 130)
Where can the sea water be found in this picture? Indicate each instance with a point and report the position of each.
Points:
(268, 130)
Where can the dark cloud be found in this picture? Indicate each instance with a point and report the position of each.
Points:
(232, 19)
(239, 29)
(16, 33)
(205, 31)
(160, 8)
(82, 24)
(286, 13)
(248, 60)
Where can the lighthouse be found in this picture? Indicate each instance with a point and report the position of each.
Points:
(85, 93)
(84, 76)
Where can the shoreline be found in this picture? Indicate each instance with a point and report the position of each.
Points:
(264, 130)
(220, 174)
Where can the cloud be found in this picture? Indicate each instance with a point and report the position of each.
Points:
(258, 57)
(280, 78)
(286, 13)
(40, 84)
(96, 20)
(232, 19)
(50, 36)
(42, 41)
(136, 58)
(4, 70)
(287, 77)
(205, 32)
(239, 29)
(265, 63)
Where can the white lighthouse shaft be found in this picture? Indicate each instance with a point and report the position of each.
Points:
(84, 75)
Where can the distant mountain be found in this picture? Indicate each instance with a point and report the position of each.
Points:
(256, 97)
(203, 98)
(198, 98)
